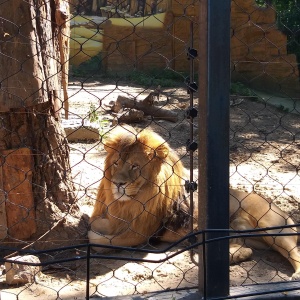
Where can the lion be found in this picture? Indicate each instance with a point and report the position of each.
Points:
(142, 196)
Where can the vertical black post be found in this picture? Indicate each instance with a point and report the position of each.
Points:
(214, 85)
(88, 263)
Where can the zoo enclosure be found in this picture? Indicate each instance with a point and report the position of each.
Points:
(119, 52)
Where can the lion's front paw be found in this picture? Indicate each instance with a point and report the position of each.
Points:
(296, 276)
(101, 239)
(100, 225)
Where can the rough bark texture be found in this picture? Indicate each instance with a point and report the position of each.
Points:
(17, 168)
(30, 98)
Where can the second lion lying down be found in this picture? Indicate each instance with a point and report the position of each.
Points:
(141, 196)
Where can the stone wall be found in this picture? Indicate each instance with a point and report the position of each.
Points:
(153, 46)
(127, 47)
(259, 50)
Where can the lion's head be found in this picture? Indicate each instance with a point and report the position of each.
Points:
(138, 161)
(142, 189)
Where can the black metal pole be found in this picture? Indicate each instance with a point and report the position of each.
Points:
(88, 263)
(214, 85)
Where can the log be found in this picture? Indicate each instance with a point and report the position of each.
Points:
(129, 116)
(146, 106)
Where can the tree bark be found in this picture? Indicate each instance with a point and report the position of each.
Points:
(30, 100)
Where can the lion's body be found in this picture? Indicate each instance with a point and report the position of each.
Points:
(251, 211)
(141, 195)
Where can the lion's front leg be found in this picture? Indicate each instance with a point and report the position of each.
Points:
(126, 239)
(100, 225)
(238, 251)
(99, 232)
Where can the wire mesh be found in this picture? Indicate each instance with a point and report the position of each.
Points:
(263, 121)
(52, 138)
(56, 175)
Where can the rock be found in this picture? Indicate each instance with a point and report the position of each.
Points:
(77, 130)
(20, 274)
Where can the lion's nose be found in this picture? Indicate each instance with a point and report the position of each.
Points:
(120, 184)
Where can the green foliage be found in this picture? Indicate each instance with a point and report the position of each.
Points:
(148, 78)
(288, 20)
(261, 3)
(88, 68)
(238, 88)
(282, 108)
(154, 77)
(95, 117)
(93, 114)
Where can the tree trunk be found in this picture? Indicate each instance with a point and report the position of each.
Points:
(36, 179)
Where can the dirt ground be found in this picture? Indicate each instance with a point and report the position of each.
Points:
(264, 157)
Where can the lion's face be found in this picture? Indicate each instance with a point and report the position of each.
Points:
(129, 173)
(133, 162)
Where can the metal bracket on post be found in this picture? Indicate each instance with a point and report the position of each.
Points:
(192, 87)
(190, 186)
(191, 112)
(192, 53)
(191, 145)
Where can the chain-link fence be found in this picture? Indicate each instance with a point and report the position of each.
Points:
(101, 121)
(263, 133)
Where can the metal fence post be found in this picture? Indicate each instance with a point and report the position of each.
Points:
(214, 77)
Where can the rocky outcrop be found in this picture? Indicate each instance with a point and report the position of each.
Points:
(259, 55)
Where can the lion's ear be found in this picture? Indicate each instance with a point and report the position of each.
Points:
(111, 144)
(162, 151)
(154, 145)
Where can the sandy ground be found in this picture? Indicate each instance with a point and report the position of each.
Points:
(265, 152)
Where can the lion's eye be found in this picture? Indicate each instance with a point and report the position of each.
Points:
(134, 167)
(115, 164)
